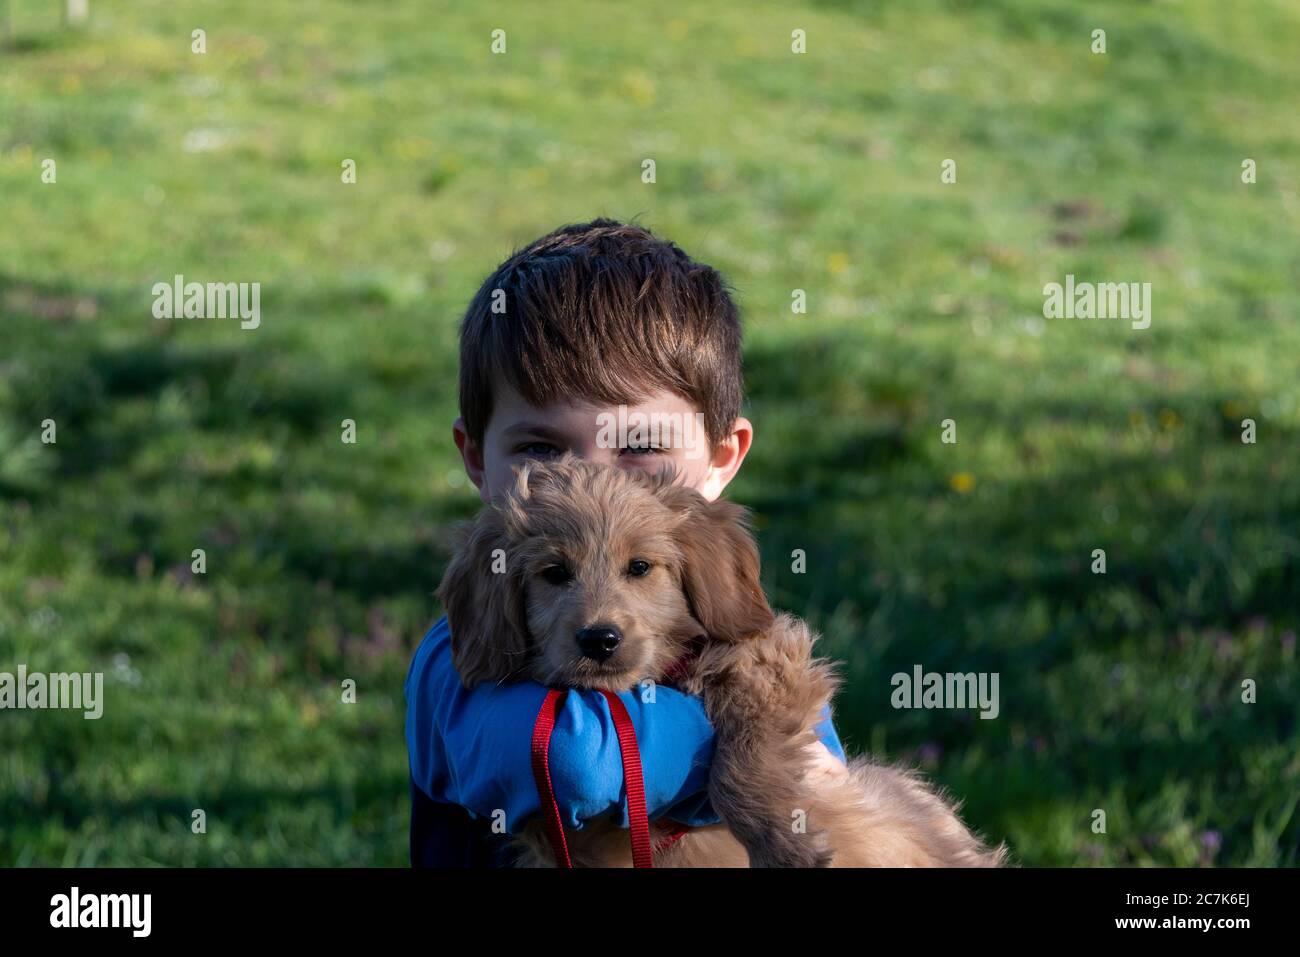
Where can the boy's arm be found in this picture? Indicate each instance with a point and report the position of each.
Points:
(472, 747)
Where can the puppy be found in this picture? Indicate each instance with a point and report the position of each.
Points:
(612, 577)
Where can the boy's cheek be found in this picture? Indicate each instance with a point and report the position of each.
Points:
(691, 472)
(496, 478)
(502, 479)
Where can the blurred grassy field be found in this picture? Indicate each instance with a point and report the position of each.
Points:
(818, 172)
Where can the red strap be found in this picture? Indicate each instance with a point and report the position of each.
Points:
(542, 775)
(638, 822)
(674, 833)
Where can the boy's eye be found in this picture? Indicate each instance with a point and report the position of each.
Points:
(538, 449)
(557, 574)
(640, 450)
(638, 567)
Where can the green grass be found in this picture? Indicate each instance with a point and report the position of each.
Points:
(818, 172)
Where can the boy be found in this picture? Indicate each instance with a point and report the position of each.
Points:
(594, 323)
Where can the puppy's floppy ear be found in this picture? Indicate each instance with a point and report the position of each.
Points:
(721, 571)
(484, 599)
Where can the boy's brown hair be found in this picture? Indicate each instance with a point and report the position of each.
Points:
(607, 312)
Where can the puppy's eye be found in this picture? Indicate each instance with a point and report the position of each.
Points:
(638, 567)
(557, 574)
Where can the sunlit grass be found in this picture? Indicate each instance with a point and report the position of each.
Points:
(1119, 692)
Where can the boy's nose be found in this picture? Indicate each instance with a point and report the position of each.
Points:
(599, 642)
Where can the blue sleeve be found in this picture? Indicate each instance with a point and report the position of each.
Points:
(472, 747)
(826, 731)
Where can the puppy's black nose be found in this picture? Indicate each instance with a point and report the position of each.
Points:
(599, 643)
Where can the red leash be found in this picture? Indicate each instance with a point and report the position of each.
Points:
(542, 729)
(638, 822)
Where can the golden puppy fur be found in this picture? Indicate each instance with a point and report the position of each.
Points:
(591, 547)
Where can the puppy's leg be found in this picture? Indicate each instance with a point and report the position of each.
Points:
(763, 698)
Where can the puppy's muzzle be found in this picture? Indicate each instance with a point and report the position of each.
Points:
(599, 641)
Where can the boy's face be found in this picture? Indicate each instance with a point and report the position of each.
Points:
(661, 431)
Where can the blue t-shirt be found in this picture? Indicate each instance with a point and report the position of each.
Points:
(472, 748)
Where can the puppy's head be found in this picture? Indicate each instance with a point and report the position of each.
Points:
(597, 577)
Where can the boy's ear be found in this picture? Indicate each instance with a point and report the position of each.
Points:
(720, 575)
(471, 455)
(484, 599)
